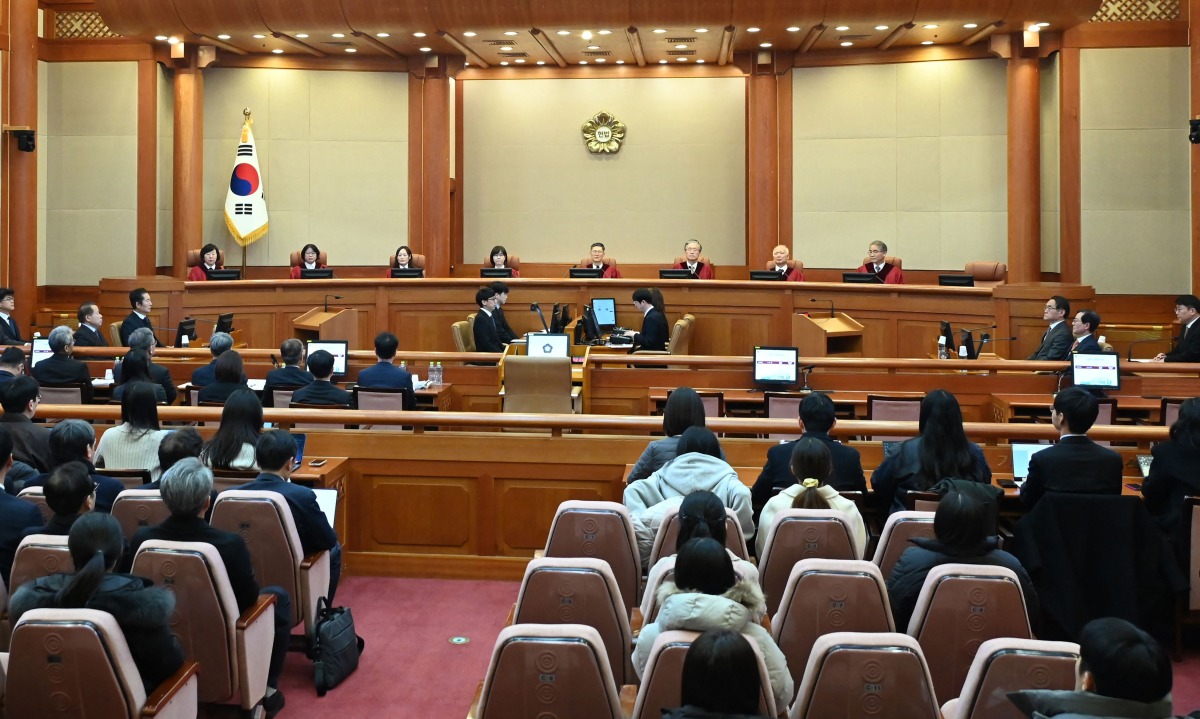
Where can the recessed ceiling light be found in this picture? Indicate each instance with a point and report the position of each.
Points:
(1043, 24)
(260, 37)
(881, 27)
(793, 29)
(504, 62)
(162, 38)
(277, 51)
(219, 37)
(600, 59)
(418, 34)
(510, 33)
(606, 32)
(586, 34)
(930, 27)
(847, 43)
(700, 62)
(971, 25)
(701, 29)
(659, 31)
(469, 33)
(173, 40)
(350, 49)
(564, 32)
(387, 34)
(520, 61)
(426, 49)
(541, 62)
(506, 48)
(662, 62)
(339, 34)
(842, 28)
(764, 44)
(620, 62)
(681, 47)
(927, 42)
(681, 59)
(302, 35)
(593, 47)
(583, 62)
(752, 29)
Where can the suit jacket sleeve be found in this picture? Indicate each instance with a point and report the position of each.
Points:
(503, 330)
(241, 573)
(6, 336)
(318, 535)
(487, 338)
(1035, 483)
(1188, 349)
(1057, 345)
(654, 332)
(850, 472)
(168, 384)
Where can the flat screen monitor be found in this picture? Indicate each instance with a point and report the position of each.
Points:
(605, 309)
(186, 328)
(1020, 458)
(41, 350)
(968, 342)
(956, 280)
(564, 317)
(675, 273)
(1098, 371)
(540, 344)
(320, 273)
(591, 328)
(585, 273)
(215, 275)
(495, 272)
(224, 323)
(338, 348)
(860, 278)
(556, 324)
(407, 273)
(776, 365)
(767, 275)
(948, 333)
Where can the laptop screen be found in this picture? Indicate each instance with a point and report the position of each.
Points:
(1020, 458)
(540, 344)
(1101, 370)
(41, 350)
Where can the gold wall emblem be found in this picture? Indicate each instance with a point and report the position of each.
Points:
(603, 133)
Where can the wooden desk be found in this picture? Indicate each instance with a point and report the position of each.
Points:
(331, 475)
(435, 399)
(849, 404)
(1025, 407)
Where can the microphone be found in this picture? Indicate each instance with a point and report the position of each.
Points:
(336, 297)
(535, 307)
(814, 299)
(1129, 354)
(985, 338)
(274, 361)
(976, 329)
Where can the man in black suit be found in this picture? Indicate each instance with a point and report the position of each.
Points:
(487, 334)
(1056, 342)
(31, 442)
(291, 374)
(12, 364)
(1084, 328)
(187, 491)
(91, 326)
(218, 344)
(275, 454)
(15, 514)
(654, 334)
(505, 332)
(1075, 465)
(70, 494)
(10, 334)
(73, 440)
(141, 303)
(816, 419)
(1187, 311)
(384, 374)
(60, 367)
(143, 339)
(322, 391)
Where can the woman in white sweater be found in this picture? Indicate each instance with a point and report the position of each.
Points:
(232, 447)
(133, 444)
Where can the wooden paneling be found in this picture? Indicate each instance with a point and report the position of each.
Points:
(525, 508)
(1024, 169)
(1159, 33)
(401, 519)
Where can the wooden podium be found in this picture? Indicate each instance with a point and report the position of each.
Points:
(837, 336)
(336, 324)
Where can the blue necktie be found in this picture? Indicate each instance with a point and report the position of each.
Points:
(12, 324)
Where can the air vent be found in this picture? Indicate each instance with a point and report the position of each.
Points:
(338, 44)
(499, 43)
(514, 54)
(597, 53)
(852, 38)
(674, 40)
(674, 53)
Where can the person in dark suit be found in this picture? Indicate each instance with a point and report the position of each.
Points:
(654, 334)
(322, 391)
(1187, 349)
(141, 303)
(1084, 328)
(1057, 340)
(1075, 465)
(229, 378)
(12, 364)
(217, 345)
(1173, 474)
(15, 514)
(31, 442)
(487, 335)
(816, 419)
(60, 367)
(73, 440)
(143, 339)
(387, 375)
(275, 453)
(10, 334)
(187, 491)
(91, 323)
(291, 374)
(505, 332)
(70, 494)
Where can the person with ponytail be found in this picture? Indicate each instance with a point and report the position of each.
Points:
(142, 610)
(811, 465)
(702, 514)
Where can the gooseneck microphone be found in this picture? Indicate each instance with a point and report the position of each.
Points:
(814, 299)
(336, 297)
(1129, 354)
(535, 307)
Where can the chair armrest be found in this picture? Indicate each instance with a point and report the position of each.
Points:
(636, 620)
(256, 610)
(255, 631)
(314, 583)
(473, 712)
(512, 615)
(310, 561)
(628, 699)
(176, 695)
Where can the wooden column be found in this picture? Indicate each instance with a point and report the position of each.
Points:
(1194, 104)
(1024, 162)
(147, 168)
(1070, 199)
(21, 179)
(429, 163)
(188, 172)
(762, 155)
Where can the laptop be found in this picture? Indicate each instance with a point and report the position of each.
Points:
(41, 350)
(1020, 458)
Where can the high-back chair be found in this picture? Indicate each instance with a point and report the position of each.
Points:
(713, 402)
(39, 555)
(987, 274)
(65, 393)
(574, 590)
(1106, 414)
(137, 508)
(960, 607)
(888, 259)
(662, 679)
(264, 520)
(784, 405)
(131, 478)
(114, 334)
(679, 343)
(1169, 411)
(549, 670)
(1004, 665)
(801, 534)
(660, 572)
(233, 648)
(464, 339)
(893, 540)
(195, 258)
(76, 662)
(824, 596)
(680, 259)
(892, 409)
(853, 674)
(587, 261)
(668, 535)
(294, 259)
(415, 260)
(791, 265)
(537, 384)
(599, 530)
(281, 396)
(37, 497)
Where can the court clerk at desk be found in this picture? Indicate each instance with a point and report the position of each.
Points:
(487, 335)
(654, 332)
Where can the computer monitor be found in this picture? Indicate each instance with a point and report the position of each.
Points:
(1101, 370)
(320, 273)
(1020, 458)
(591, 328)
(564, 317)
(216, 275)
(555, 325)
(860, 278)
(495, 272)
(407, 273)
(956, 280)
(967, 340)
(338, 348)
(948, 333)
(224, 323)
(605, 309)
(776, 366)
(675, 273)
(41, 350)
(540, 344)
(585, 273)
(767, 275)
(186, 328)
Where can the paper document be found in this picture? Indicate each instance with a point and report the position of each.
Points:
(327, 501)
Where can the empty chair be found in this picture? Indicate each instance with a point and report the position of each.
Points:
(137, 508)
(35, 496)
(66, 393)
(537, 384)
(987, 274)
(662, 681)
(893, 540)
(667, 536)
(464, 338)
(386, 399)
(549, 670)
(131, 478)
(892, 409)
(600, 530)
(1005, 665)
(801, 534)
(1168, 411)
(824, 596)
(783, 405)
(281, 396)
(575, 590)
(960, 607)
(851, 674)
(88, 673)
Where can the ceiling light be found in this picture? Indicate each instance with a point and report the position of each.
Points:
(593, 47)
(219, 37)
(701, 29)
(564, 32)
(520, 61)
(847, 43)
(586, 34)
(1032, 28)
(504, 62)
(927, 42)
(752, 29)
(599, 59)
(162, 38)
(388, 34)
(506, 48)
(764, 44)
(173, 40)
(930, 27)
(620, 62)
(583, 62)
(793, 29)
(302, 35)
(842, 28)
(662, 62)
(881, 27)
(971, 25)
(681, 59)
(260, 37)
(339, 34)
(418, 34)
(277, 51)
(606, 32)
(469, 33)
(1043, 24)
(659, 31)
(681, 47)
(541, 62)
(510, 33)
(700, 62)
(350, 49)
(426, 49)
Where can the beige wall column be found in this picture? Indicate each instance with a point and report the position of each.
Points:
(21, 181)
(187, 190)
(429, 162)
(1024, 162)
(763, 150)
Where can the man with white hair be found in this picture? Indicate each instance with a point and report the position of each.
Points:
(60, 367)
(220, 343)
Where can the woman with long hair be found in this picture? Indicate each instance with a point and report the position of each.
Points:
(1173, 471)
(135, 368)
(232, 447)
(498, 259)
(133, 444)
(402, 260)
(940, 451)
(142, 610)
(684, 409)
(720, 678)
(230, 376)
(702, 514)
(310, 259)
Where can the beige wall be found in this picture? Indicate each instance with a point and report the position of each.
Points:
(333, 150)
(911, 154)
(1050, 158)
(1135, 191)
(90, 150)
(164, 208)
(531, 185)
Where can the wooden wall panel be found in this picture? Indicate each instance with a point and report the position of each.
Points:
(402, 518)
(525, 509)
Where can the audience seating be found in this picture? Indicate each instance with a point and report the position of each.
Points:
(387, 399)
(1005, 665)
(281, 396)
(852, 674)
(600, 530)
(38, 555)
(537, 384)
(89, 673)
(921, 501)
(893, 540)
(668, 535)
(37, 497)
(960, 607)
(713, 401)
(233, 662)
(987, 274)
(224, 479)
(65, 393)
(798, 534)
(317, 425)
(137, 508)
(662, 680)
(131, 478)
(784, 405)
(893, 409)
(647, 612)
(264, 520)
(824, 596)
(1169, 411)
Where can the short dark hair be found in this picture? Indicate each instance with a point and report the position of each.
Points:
(498, 250)
(1090, 318)
(703, 565)
(68, 487)
(210, 247)
(701, 440)
(1061, 303)
(684, 409)
(69, 441)
(1078, 408)
(135, 296)
(85, 311)
(320, 363)
(228, 367)
(817, 413)
(18, 393)
(291, 350)
(386, 344)
(962, 520)
(274, 449)
(720, 674)
(180, 444)
(483, 295)
(642, 294)
(1126, 662)
(12, 356)
(498, 287)
(595, 245)
(1188, 301)
(6, 292)
(310, 246)
(878, 243)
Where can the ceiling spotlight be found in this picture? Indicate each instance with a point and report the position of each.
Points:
(793, 29)
(520, 61)
(418, 34)
(564, 32)
(506, 48)
(662, 62)
(219, 37)
(881, 27)
(659, 31)
(681, 47)
(583, 62)
(1043, 24)
(842, 28)
(847, 43)
(927, 42)
(426, 49)
(504, 63)
(752, 29)
(593, 47)
(339, 34)
(930, 27)
(260, 37)
(971, 25)
(388, 34)
(302, 35)
(620, 62)
(510, 33)
(606, 32)
(701, 29)
(764, 44)
(1033, 28)
(541, 62)
(277, 51)
(173, 40)
(469, 33)
(162, 38)
(700, 62)
(350, 49)
(681, 59)
(600, 59)
(586, 34)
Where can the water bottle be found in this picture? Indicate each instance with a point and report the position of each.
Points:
(403, 365)
(943, 353)
(962, 355)
(435, 373)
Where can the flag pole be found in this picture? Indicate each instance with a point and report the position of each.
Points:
(246, 115)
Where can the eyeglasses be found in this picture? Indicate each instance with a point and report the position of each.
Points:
(1051, 307)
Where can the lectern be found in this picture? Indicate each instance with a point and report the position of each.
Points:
(837, 336)
(334, 324)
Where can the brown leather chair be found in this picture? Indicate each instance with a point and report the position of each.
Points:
(703, 259)
(294, 258)
(662, 679)
(1006, 665)
(281, 396)
(415, 260)
(464, 339)
(987, 274)
(66, 393)
(233, 648)
(537, 384)
(38, 498)
(600, 530)
(668, 535)
(89, 670)
(893, 409)
(888, 259)
(893, 540)
(114, 334)
(791, 265)
(883, 676)
(587, 261)
(680, 340)
(798, 534)
(137, 508)
(194, 258)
